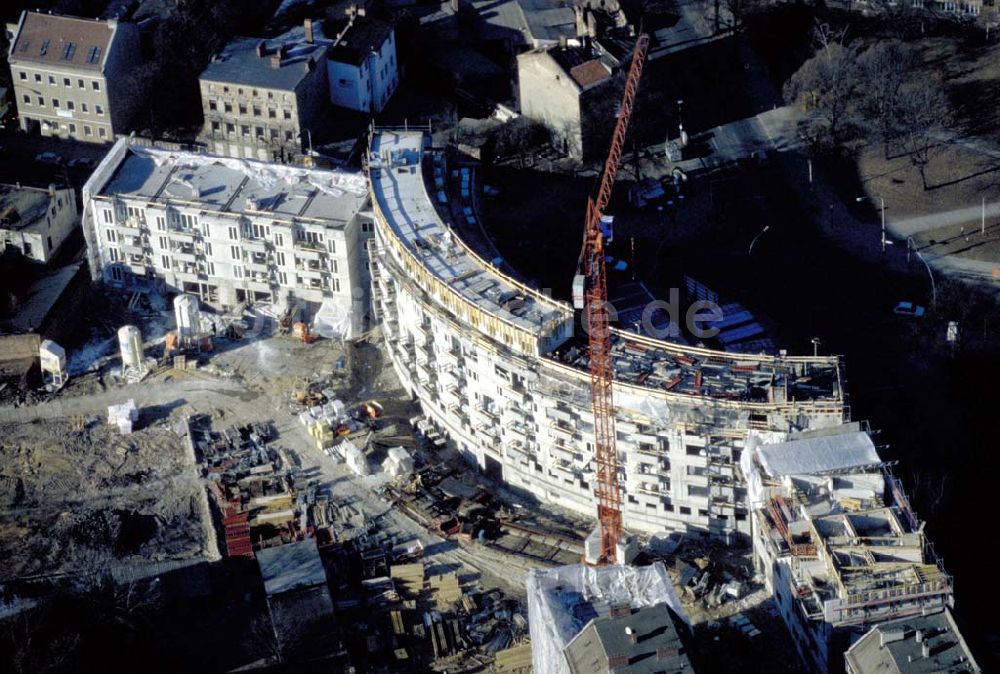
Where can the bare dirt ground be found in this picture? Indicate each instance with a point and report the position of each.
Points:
(82, 500)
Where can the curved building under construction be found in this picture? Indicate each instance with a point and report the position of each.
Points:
(498, 367)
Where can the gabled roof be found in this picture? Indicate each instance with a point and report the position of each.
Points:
(51, 39)
(643, 641)
(250, 61)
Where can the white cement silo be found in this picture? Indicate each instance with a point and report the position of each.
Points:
(130, 344)
(188, 318)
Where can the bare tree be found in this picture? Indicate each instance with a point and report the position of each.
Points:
(884, 69)
(826, 84)
(924, 111)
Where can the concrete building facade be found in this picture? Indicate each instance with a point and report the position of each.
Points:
(570, 90)
(837, 542)
(229, 231)
(35, 220)
(260, 98)
(71, 76)
(362, 66)
(498, 367)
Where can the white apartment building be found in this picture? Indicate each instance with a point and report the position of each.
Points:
(837, 542)
(36, 220)
(498, 367)
(229, 230)
(362, 64)
(71, 76)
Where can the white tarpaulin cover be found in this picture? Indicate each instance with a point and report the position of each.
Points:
(561, 601)
(814, 456)
(332, 321)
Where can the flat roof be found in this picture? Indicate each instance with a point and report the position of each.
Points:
(241, 186)
(291, 566)
(397, 179)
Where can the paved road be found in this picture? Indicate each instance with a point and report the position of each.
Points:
(910, 226)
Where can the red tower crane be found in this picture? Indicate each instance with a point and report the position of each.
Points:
(595, 296)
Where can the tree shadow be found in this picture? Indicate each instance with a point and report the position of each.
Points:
(955, 181)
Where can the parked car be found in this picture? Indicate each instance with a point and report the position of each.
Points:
(908, 309)
(49, 158)
(82, 162)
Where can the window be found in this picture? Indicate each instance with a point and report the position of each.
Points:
(164, 243)
(259, 131)
(116, 274)
(23, 75)
(367, 226)
(189, 221)
(110, 234)
(161, 223)
(67, 82)
(84, 107)
(212, 105)
(106, 214)
(279, 240)
(86, 131)
(80, 84)
(27, 99)
(270, 94)
(211, 269)
(245, 129)
(38, 78)
(274, 134)
(288, 136)
(233, 234)
(205, 230)
(243, 109)
(93, 54)
(102, 132)
(166, 261)
(280, 258)
(336, 285)
(69, 50)
(283, 278)
(333, 266)
(259, 231)
(113, 254)
(95, 85)
(52, 80)
(230, 128)
(208, 248)
(256, 111)
(55, 102)
(72, 128)
(99, 109)
(227, 107)
(272, 113)
(237, 271)
(235, 252)
(685, 510)
(70, 105)
(333, 246)
(286, 113)
(216, 126)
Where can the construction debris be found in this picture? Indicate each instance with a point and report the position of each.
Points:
(123, 416)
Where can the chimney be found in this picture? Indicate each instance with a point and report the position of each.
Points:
(925, 650)
(919, 636)
(630, 633)
(52, 190)
(352, 10)
(308, 26)
(261, 49)
(275, 60)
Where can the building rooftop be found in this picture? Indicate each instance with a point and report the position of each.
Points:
(291, 566)
(21, 207)
(929, 644)
(564, 600)
(842, 535)
(397, 179)
(582, 64)
(637, 641)
(538, 21)
(62, 41)
(280, 63)
(229, 185)
(357, 38)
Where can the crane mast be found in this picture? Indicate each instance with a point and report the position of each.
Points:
(596, 311)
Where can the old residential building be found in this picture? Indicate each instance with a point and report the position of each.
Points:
(925, 644)
(36, 221)
(500, 368)
(71, 76)
(570, 90)
(261, 97)
(229, 230)
(362, 67)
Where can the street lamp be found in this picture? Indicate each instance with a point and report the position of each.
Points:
(882, 203)
(815, 342)
(931, 275)
(760, 234)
